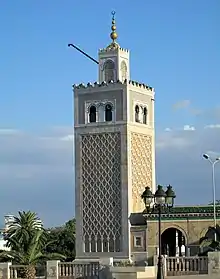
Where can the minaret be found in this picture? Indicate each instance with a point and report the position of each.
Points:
(114, 155)
(113, 60)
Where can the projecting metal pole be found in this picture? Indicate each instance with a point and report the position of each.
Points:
(160, 274)
(213, 163)
(214, 195)
(83, 52)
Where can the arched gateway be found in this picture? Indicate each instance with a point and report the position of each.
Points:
(173, 242)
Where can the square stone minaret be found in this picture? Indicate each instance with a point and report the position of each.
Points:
(114, 155)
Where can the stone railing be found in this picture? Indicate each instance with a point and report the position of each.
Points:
(72, 270)
(53, 270)
(103, 269)
(186, 265)
(17, 271)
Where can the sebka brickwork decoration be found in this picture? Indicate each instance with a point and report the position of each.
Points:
(141, 162)
(101, 191)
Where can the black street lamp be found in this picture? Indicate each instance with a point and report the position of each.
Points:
(160, 200)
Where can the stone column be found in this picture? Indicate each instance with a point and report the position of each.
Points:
(52, 269)
(214, 264)
(5, 270)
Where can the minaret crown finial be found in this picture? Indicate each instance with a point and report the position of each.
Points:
(113, 34)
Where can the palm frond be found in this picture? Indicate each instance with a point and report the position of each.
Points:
(53, 256)
(36, 258)
(206, 243)
(16, 256)
(35, 244)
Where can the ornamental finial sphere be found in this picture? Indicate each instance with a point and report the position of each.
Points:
(114, 35)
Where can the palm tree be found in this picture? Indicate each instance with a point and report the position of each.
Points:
(208, 243)
(27, 240)
(23, 228)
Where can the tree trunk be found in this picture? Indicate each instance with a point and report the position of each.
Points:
(30, 272)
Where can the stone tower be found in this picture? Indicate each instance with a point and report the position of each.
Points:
(114, 155)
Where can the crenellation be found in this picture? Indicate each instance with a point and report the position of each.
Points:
(141, 85)
(111, 82)
(102, 50)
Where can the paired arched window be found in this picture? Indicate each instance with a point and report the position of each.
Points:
(140, 114)
(109, 69)
(108, 112)
(100, 112)
(123, 71)
(92, 114)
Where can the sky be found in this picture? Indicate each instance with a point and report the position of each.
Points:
(174, 47)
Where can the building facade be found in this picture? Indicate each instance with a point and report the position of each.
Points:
(182, 229)
(114, 162)
(9, 219)
(114, 154)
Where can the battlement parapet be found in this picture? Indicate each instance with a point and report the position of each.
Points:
(102, 50)
(110, 83)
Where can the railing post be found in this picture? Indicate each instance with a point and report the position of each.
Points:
(165, 265)
(52, 270)
(5, 270)
(214, 264)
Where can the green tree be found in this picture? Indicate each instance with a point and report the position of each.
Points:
(62, 240)
(27, 239)
(217, 202)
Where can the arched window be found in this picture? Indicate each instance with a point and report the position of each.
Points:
(108, 112)
(92, 114)
(109, 67)
(137, 112)
(123, 71)
(145, 116)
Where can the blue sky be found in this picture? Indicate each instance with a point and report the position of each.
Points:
(174, 48)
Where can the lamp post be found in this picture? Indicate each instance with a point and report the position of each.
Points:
(213, 163)
(160, 200)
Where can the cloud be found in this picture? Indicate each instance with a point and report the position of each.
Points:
(188, 128)
(195, 111)
(212, 126)
(180, 163)
(37, 173)
(68, 138)
(5, 132)
(206, 114)
(181, 104)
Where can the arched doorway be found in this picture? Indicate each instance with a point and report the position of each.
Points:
(173, 243)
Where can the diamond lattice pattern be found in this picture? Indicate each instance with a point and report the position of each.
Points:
(141, 161)
(101, 174)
